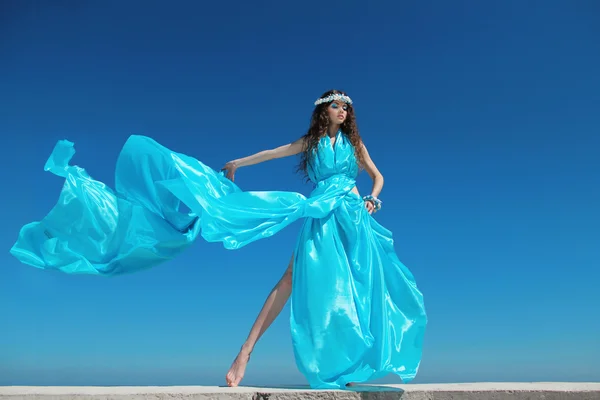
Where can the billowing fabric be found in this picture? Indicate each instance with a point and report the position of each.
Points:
(356, 311)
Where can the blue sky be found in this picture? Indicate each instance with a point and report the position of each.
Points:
(482, 116)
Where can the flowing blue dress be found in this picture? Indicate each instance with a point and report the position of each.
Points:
(356, 311)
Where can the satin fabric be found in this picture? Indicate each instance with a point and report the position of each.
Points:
(356, 311)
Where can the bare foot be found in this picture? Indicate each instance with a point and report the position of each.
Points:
(236, 372)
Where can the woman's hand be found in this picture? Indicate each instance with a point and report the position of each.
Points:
(230, 169)
(370, 207)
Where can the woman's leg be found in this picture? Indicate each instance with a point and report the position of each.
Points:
(272, 307)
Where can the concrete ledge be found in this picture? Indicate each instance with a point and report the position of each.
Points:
(466, 391)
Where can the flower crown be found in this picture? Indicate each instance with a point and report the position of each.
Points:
(334, 97)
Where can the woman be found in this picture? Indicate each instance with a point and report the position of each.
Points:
(333, 119)
(356, 312)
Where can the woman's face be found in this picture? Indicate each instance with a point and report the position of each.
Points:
(338, 111)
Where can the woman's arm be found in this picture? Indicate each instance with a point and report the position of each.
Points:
(375, 175)
(373, 172)
(286, 150)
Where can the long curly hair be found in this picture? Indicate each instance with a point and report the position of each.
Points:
(319, 124)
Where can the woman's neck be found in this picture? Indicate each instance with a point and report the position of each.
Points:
(333, 130)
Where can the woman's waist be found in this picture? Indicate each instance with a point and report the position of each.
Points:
(336, 180)
(337, 185)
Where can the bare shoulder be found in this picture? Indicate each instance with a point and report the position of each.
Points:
(363, 150)
(369, 164)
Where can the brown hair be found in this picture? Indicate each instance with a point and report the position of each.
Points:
(319, 123)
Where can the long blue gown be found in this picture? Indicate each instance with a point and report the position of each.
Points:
(356, 311)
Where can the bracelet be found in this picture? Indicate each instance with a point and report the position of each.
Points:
(376, 202)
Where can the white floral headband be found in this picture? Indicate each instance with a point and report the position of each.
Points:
(334, 97)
